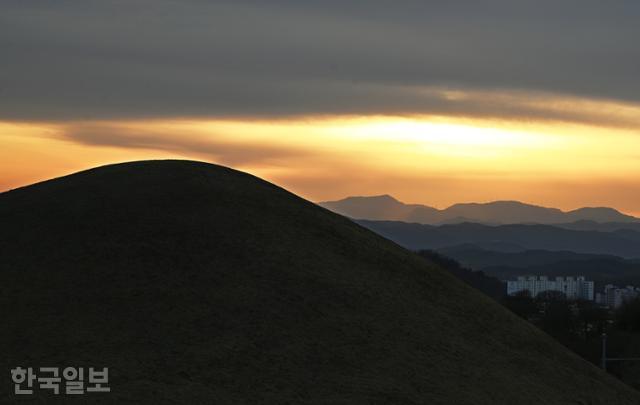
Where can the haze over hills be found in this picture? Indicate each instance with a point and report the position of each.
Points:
(196, 283)
(477, 258)
(385, 207)
(601, 226)
(603, 269)
(511, 238)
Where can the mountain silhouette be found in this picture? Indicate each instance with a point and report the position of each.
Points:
(388, 208)
(195, 283)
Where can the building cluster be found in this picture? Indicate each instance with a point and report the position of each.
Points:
(574, 288)
(614, 297)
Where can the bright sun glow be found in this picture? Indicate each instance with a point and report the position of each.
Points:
(435, 145)
(440, 160)
(443, 134)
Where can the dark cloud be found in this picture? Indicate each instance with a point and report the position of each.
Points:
(161, 58)
(210, 146)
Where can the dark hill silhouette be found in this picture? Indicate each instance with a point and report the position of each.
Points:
(491, 286)
(387, 208)
(196, 283)
(513, 238)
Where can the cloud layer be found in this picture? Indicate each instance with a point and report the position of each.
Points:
(69, 60)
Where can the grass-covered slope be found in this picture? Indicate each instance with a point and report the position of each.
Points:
(199, 284)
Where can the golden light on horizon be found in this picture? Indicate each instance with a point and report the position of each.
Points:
(427, 159)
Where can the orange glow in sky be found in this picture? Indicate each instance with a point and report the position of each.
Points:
(433, 160)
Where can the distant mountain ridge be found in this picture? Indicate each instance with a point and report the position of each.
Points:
(387, 208)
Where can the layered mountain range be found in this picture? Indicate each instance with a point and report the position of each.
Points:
(506, 239)
(387, 208)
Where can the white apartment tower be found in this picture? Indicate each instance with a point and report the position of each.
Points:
(575, 288)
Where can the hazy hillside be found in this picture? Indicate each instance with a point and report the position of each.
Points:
(388, 208)
(491, 286)
(199, 284)
(599, 214)
(603, 269)
(382, 207)
(478, 258)
(513, 237)
(585, 225)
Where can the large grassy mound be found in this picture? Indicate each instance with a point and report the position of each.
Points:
(195, 283)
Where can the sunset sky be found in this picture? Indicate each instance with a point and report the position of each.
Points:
(433, 102)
